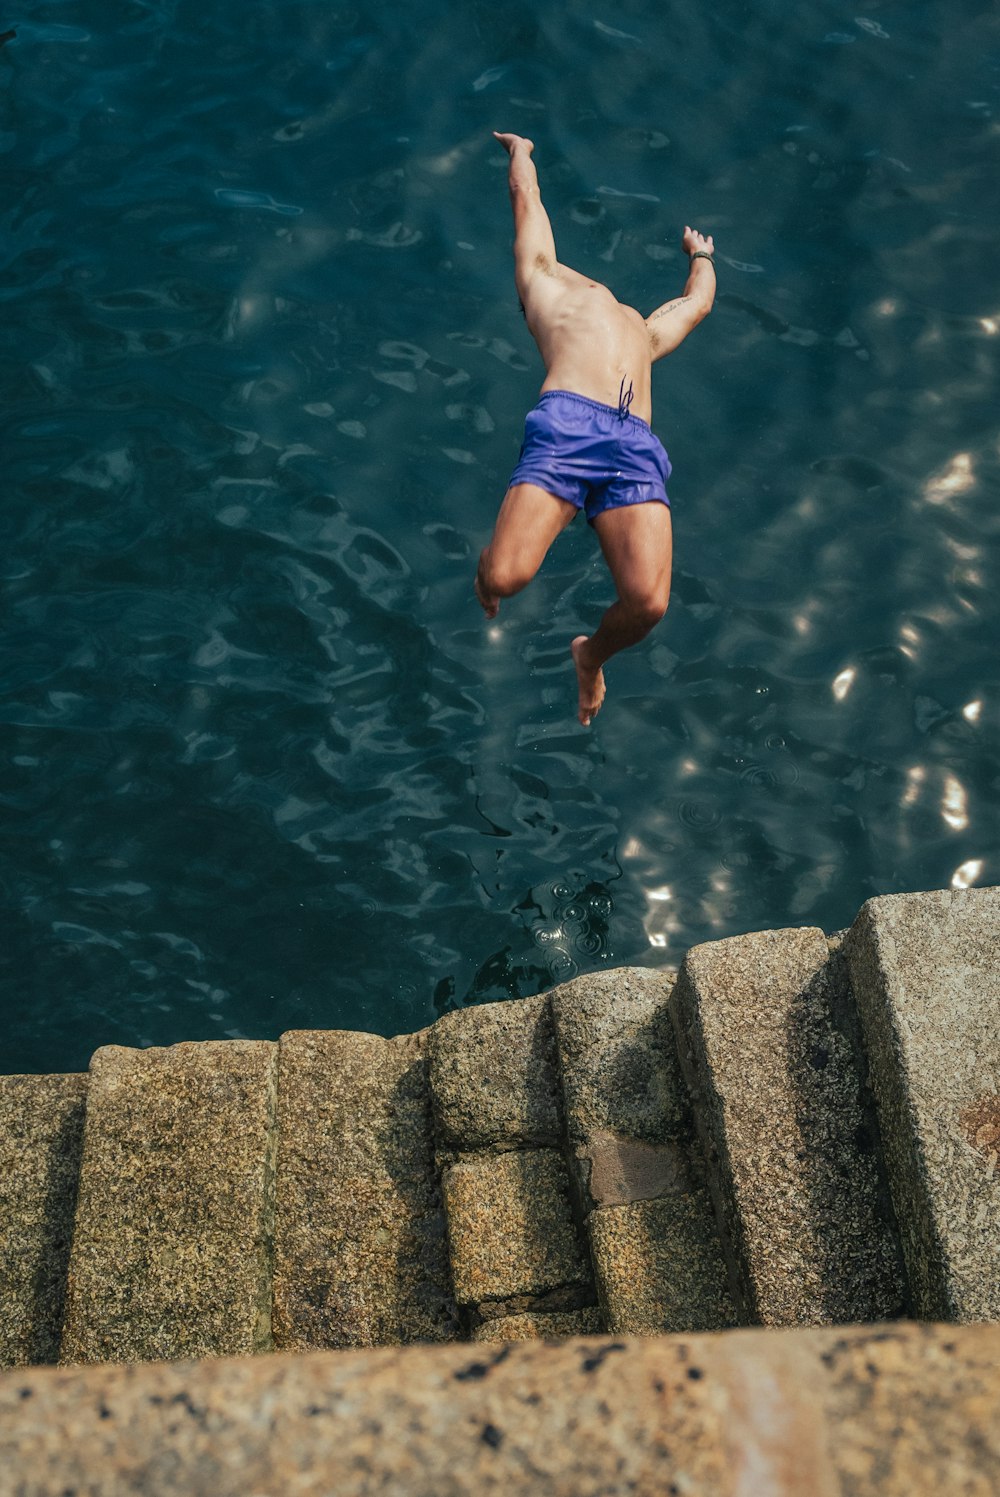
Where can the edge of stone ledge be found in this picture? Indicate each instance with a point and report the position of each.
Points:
(900, 1408)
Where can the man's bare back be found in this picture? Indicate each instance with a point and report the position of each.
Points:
(589, 341)
(598, 353)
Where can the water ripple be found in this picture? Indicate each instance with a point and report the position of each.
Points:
(264, 767)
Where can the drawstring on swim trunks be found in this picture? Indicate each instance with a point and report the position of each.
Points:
(624, 400)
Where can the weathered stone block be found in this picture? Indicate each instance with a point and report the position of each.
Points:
(898, 1411)
(658, 1266)
(926, 972)
(361, 1255)
(539, 1326)
(171, 1251)
(653, 1236)
(618, 1057)
(627, 1113)
(493, 1076)
(765, 1036)
(41, 1138)
(510, 1226)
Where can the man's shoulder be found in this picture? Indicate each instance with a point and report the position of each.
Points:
(632, 312)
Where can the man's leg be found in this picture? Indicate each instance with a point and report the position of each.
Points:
(530, 518)
(637, 542)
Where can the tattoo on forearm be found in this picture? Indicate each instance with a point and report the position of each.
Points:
(671, 306)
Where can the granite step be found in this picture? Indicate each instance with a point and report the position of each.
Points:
(769, 1042)
(925, 969)
(539, 1326)
(626, 1153)
(886, 1411)
(41, 1138)
(172, 1240)
(361, 1256)
(518, 1257)
(638, 1172)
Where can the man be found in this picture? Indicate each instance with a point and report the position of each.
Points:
(587, 443)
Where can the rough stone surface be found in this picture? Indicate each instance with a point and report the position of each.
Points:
(618, 1057)
(617, 1170)
(926, 973)
(493, 1077)
(897, 1411)
(510, 1226)
(361, 1255)
(658, 1266)
(539, 1327)
(171, 1251)
(41, 1136)
(639, 1175)
(913, 1409)
(765, 1036)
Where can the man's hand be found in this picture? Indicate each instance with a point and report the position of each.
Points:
(511, 142)
(670, 324)
(693, 240)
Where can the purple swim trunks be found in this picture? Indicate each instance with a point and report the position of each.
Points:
(591, 454)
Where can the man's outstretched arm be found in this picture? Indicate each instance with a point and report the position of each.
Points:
(670, 324)
(534, 244)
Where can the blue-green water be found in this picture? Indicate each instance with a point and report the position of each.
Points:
(263, 764)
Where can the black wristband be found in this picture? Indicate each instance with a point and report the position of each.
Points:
(703, 255)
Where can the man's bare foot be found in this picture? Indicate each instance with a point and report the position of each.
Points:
(490, 606)
(590, 682)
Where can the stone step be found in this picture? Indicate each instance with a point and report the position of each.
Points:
(361, 1255)
(41, 1136)
(536, 1326)
(639, 1175)
(172, 1242)
(494, 1078)
(769, 1043)
(926, 972)
(887, 1411)
(529, 1169)
(514, 1243)
(517, 1253)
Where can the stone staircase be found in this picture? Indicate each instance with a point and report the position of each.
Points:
(795, 1131)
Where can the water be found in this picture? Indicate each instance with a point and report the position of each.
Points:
(263, 764)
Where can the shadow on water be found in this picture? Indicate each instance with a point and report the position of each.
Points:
(571, 927)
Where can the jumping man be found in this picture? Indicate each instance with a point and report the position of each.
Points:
(587, 443)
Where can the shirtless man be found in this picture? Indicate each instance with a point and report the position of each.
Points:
(587, 443)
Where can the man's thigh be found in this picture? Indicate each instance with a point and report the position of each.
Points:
(530, 518)
(637, 541)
